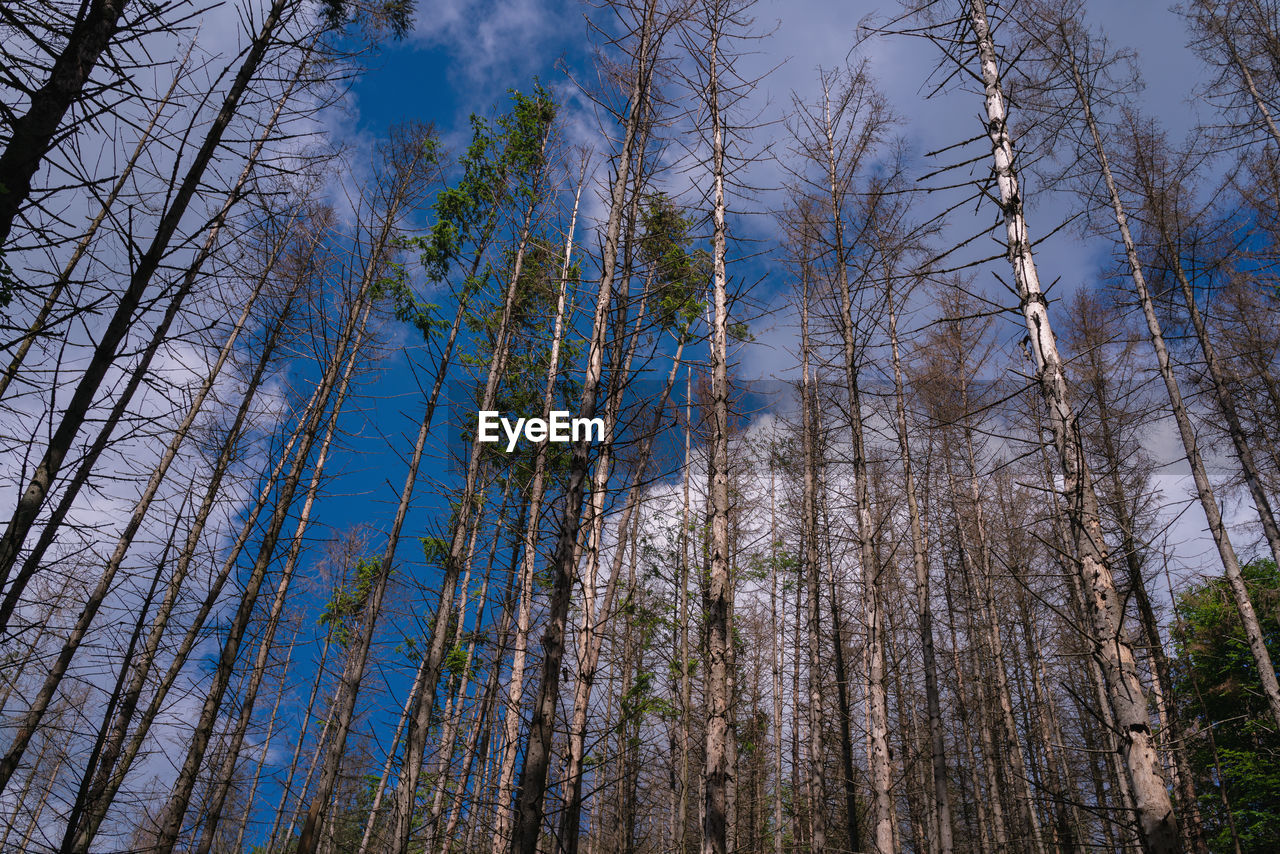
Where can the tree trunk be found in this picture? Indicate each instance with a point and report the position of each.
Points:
(265, 750)
(776, 634)
(941, 843)
(810, 563)
(433, 661)
(717, 772)
(1128, 700)
(537, 757)
(223, 780)
(987, 826)
(686, 682)
(32, 134)
(479, 731)
(515, 686)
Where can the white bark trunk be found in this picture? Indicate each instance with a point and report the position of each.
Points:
(1128, 700)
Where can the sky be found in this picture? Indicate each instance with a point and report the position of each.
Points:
(463, 55)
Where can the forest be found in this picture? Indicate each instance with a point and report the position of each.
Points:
(930, 409)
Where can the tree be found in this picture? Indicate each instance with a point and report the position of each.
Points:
(646, 29)
(1218, 689)
(1105, 616)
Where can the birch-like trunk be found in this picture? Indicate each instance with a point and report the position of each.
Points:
(1105, 612)
(1122, 800)
(810, 567)
(717, 772)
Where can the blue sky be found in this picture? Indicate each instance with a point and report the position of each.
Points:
(463, 55)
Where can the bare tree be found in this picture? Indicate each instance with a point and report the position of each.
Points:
(537, 757)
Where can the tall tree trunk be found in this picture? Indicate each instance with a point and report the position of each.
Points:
(1011, 746)
(322, 742)
(353, 671)
(265, 750)
(853, 829)
(537, 757)
(979, 576)
(380, 791)
(32, 134)
(479, 731)
(941, 843)
(1122, 797)
(1128, 700)
(686, 682)
(776, 634)
(453, 714)
(589, 634)
(878, 759)
(988, 826)
(1067, 823)
(216, 800)
(71, 644)
(810, 563)
(113, 700)
(515, 685)
(717, 771)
